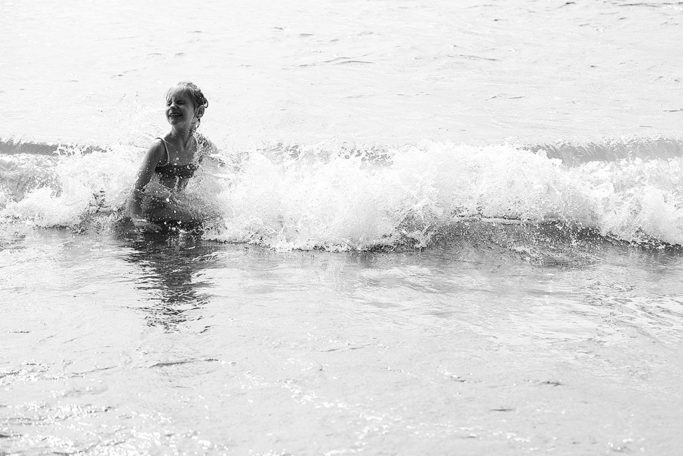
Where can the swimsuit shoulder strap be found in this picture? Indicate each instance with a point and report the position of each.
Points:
(168, 156)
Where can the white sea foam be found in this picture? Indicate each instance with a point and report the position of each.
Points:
(340, 197)
(60, 190)
(348, 202)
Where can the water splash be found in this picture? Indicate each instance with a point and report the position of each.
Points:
(339, 197)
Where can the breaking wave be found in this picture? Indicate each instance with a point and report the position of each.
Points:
(343, 197)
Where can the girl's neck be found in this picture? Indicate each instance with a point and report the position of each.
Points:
(182, 136)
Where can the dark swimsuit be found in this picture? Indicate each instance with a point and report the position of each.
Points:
(170, 170)
(178, 172)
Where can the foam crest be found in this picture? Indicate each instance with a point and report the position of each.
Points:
(337, 197)
(637, 200)
(336, 200)
(63, 188)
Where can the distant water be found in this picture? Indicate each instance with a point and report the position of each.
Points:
(431, 228)
(361, 71)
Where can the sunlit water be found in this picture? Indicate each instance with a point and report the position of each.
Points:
(434, 228)
(178, 345)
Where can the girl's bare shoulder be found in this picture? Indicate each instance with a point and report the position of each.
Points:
(157, 150)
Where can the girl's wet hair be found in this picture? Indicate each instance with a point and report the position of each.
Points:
(195, 93)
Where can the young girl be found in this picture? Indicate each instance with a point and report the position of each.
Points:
(173, 160)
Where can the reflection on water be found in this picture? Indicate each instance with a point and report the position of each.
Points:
(473, 348)
(171, 271)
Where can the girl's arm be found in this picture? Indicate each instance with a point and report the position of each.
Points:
(152, 158)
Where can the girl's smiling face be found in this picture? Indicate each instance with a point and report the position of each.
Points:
(180, 111)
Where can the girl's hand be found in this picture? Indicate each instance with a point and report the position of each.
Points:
(145, 225)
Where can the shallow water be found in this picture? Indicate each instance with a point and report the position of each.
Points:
(177, 345)
(437, 228)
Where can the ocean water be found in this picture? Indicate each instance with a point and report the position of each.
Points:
(430, 228)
